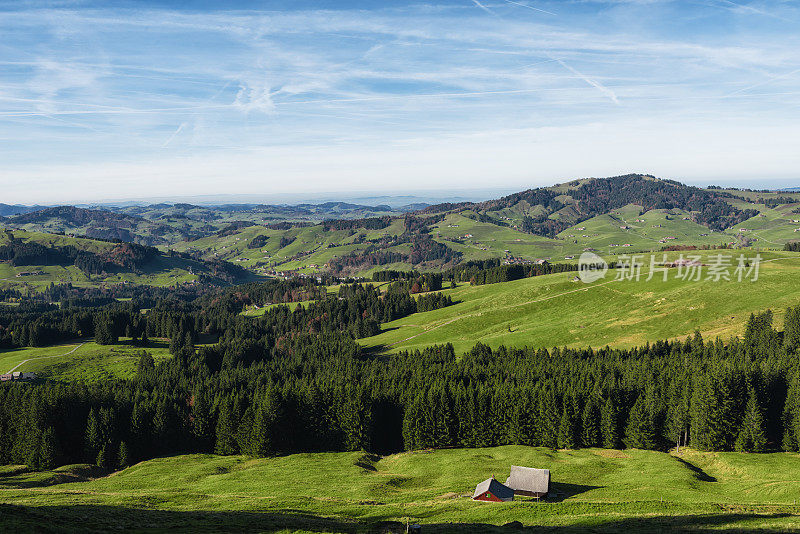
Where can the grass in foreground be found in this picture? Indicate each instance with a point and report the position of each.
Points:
(593, 490)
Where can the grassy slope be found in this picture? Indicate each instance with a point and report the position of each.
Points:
(773, 227)
(162, 271)
(310, 246)
(81, 361)
(601, 490)
(605, 230)
(553, 310)
(490, 240)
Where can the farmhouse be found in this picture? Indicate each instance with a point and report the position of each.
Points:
(529, 481)
(17, 375)
(493, 491)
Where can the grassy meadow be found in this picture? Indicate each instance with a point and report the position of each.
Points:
(555, 310)
(81, 360)
(594, 490)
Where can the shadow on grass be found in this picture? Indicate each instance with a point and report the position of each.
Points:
(100, 518)
(21, 477)
(152, 343)
(698, 473)
(560, 491)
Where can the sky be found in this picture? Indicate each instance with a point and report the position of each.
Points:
(102, 100)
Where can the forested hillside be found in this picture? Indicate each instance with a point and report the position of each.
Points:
(583, 200)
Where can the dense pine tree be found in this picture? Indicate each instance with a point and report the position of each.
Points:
(640, 430)
(752, 435)
(609, 421)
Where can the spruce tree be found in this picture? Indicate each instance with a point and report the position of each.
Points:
(104, 331)
(226, 430)
(104, 456)
(94, 437)
(140, 432)
(260, 442)
(714, 411)
(640, 431)
(567, 429)
(791, 329)
(590, 425)
(48, 449)
(752, 436)
(123, 458)
(549, 418)
(145, 363)
(608, 424)
(201, 421)
(791, 417)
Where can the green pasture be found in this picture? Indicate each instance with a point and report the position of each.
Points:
(556, 310)
(592, 490)
(81, 360)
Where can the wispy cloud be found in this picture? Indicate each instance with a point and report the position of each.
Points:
(178, 130)
(94, 86)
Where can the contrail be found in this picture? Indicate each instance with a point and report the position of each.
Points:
(754, 10)
(526, 6)
(175, 133)
(597, 85)
(483, 7)
(759, 84)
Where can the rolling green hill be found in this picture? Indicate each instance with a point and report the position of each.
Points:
(592, 490)
(159, 270)
(101, 224)
(555, 310)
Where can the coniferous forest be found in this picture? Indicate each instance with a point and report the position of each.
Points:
(297, 380)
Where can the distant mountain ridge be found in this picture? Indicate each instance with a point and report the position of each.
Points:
(355, 236)
(16, 209)
(100, 224)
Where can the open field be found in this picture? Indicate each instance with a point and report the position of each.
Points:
(595, 490)
(554, 310)
(81, 360)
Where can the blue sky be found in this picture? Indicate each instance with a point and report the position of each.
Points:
(106, 100)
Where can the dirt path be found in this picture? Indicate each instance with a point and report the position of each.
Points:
(45, 357)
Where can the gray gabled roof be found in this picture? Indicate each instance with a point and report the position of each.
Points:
(529, 479)
(495, 488)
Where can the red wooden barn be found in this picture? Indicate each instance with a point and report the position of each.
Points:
(492, 490)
